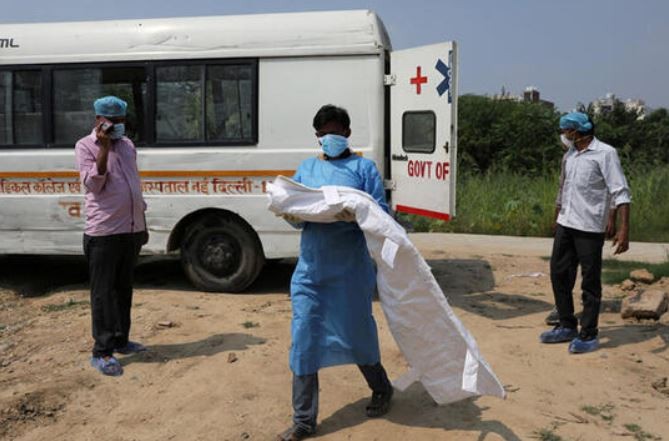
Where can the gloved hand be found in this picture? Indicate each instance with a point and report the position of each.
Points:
(291, 218)
(345, 215)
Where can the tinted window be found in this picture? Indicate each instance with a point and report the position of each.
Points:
(229, 102)
(75, 90)
(179, 104)
(418, 131)
(194, 102)
(20, 107)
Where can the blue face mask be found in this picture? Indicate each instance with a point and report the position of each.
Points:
(117, 131)
(333, 145)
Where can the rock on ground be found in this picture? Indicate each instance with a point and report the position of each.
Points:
(642, 275)
(645, 305)
(627, 285)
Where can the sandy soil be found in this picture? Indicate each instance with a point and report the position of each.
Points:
(220, 372)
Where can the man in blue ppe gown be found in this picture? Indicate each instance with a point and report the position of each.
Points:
(334, 281)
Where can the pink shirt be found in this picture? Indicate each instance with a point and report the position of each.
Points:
(114, 202)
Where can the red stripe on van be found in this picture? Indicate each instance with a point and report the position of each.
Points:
(422, 212)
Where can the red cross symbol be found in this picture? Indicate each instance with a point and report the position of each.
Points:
(418, 80)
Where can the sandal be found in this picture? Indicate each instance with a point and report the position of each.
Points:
(295, 433)
(380, 404)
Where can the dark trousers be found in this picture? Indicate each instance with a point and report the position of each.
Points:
(571, 248)
(305, 393)
(111, 262)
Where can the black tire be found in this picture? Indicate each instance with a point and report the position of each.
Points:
(221, 254)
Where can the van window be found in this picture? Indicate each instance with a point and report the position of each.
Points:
(75, 90)
(20, 107)
(222, 112)
(179, 103)
(170, 103)
(229, 102)
(419, 131)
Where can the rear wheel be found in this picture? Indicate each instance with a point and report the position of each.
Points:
(221, 253)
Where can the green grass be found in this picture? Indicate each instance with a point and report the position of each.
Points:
(547, 435)
(508, 203)
(249, 324)
(640, 434)
(650, 209)
(615, 271)
(500, 203)
(70, 303)
(591, 410)
(604, 411)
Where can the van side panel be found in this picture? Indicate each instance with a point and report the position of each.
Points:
(290, 92)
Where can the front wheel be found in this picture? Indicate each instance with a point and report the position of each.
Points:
(221, 253)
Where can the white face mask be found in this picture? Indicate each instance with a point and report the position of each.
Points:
(567, 142)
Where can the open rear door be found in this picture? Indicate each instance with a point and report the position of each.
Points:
(423, 121)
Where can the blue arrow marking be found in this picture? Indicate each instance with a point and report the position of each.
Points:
(446, 72)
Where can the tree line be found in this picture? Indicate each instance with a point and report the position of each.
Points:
(523, 138)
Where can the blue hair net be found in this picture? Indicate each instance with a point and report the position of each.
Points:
(576, 121)
(110, 106)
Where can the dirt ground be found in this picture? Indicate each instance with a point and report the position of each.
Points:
(220, 372)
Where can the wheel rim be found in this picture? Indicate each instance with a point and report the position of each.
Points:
(219, 254)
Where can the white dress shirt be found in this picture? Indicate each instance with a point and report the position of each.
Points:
(592, 181)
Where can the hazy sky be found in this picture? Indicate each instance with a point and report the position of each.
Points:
(572, 50)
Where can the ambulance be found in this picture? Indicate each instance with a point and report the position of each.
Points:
(218, 107)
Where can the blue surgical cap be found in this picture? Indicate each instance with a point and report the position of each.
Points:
(576, 121)
(110, 106)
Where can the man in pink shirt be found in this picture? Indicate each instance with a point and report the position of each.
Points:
(115, 229)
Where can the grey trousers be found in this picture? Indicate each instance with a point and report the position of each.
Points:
(305, 393)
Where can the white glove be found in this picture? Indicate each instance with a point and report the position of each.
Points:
(345, 215)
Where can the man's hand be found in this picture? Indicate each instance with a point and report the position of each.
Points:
(555, 218)
(345, 215)
(621, 239)
(611, 224)
(103, 137)
(105, 144)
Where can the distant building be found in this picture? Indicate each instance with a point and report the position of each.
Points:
(505, 95)
(607, 104)
(530, 95)
(604, 105)
(636, 105)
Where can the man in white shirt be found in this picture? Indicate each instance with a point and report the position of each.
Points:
(592, 183)
(553, 318)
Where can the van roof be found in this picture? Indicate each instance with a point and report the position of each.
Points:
(260, 35)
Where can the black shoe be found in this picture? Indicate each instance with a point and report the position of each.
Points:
(295, 433)
(553, 319)
(380, 404)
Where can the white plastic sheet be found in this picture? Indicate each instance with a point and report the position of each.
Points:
(443, 355)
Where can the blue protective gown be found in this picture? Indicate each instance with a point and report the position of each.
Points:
(334, 281)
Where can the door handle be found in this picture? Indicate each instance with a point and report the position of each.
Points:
(399, 157)
(446, 146)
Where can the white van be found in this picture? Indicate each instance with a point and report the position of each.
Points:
(218, 107)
